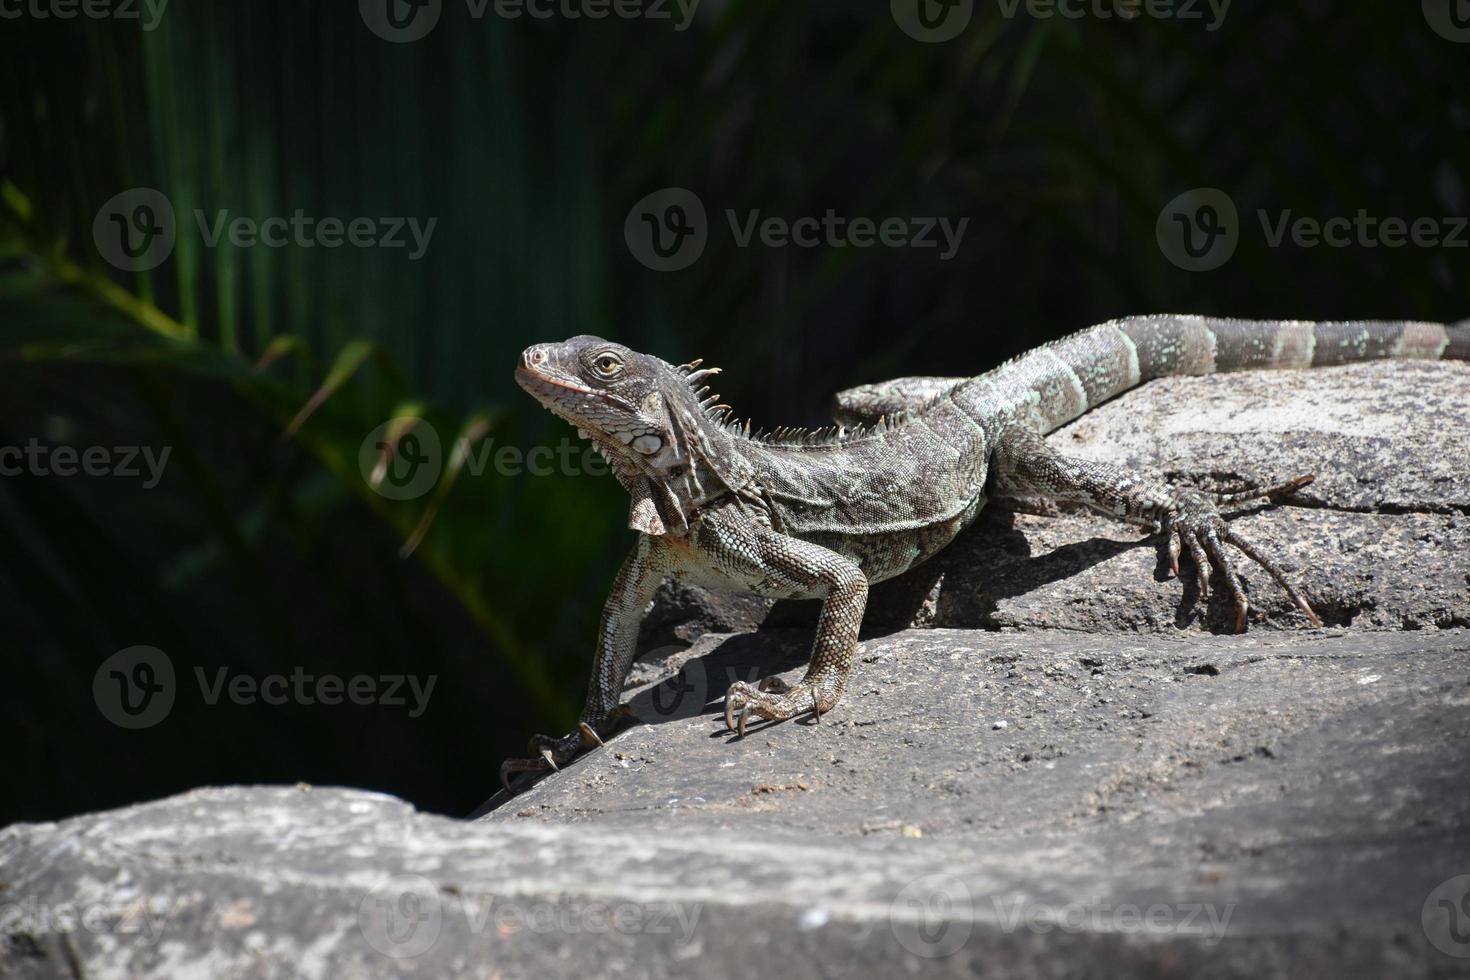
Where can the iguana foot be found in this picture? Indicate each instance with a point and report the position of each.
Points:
(549, 753)
(1194, 524)
(772, 699)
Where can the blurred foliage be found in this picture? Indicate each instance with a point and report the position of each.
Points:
(266, 368)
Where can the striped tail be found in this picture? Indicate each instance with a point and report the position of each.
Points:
(1057, 382)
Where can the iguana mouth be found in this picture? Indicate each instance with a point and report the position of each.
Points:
(526, 374)
(545, 388)
(555, 393)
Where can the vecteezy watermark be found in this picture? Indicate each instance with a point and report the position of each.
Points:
(136, 688)
(402, 459)
(1364, 230)
(1450, 19)
(1203, 919)
(1446, 917)
(667, 230)
(390, 690)
(675, 698)
(404, 916)
(125, 462)
(143, 919)
(150, 12)
(1180, 10)
(933, 916)
(1200, 230)
(136, 230)
(932, 21)
(401, 917)
(309, 232)
(402, 21)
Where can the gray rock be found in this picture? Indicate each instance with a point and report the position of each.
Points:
(1198, 806)
(1161, 800)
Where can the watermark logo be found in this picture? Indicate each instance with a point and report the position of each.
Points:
(125, 462)
(402, 917)
(589, 10)
(401, 459)
(1209, 921)
(932, 21)
(675, 698)
(1446, 917)
(1199, 230)
(401, 21)
(1363, 230)
(142, 919)
(1450, 19)
(149, 11)
(135, 230)
(134, 688)
(300, 687)
(667, 230)
(933, 916)
(1180, 10)
(305, 231)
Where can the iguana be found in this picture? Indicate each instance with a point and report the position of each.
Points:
(802, 514)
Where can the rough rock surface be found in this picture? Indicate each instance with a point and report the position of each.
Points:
(1086, 780)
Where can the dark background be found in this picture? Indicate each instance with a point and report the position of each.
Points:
(265, 550)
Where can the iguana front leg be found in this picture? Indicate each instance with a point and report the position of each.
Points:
(617, 639)
(1025, 465)
(751, 557)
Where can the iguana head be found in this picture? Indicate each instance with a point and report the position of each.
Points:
(662, 437)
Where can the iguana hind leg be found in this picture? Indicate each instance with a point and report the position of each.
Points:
(1025, 465)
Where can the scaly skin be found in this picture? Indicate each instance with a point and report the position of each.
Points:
(823, 515)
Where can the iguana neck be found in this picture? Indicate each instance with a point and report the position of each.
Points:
(704, 462)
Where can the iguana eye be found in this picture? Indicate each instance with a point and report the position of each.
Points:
(608, 365)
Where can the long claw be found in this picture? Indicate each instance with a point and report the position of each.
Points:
(816, 708)
(1307, 611)
(1233, 587)
(550, 760)
(1250, 552)
(744, 714)
(511, 766)
(1174, 549)
(1256, 493)
(729, 714)
(1201, 563)
(589, 736)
